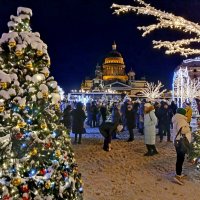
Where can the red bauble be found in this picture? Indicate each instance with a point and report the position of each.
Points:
(47, 145)
(24, 188)
(65, 174)
(25, 198)
(18, 136)
(6, 197)
(43, 172)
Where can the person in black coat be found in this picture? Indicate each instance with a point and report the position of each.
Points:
(116, 118)
(78, 118)
(164, 118)
(107, 129)
(103, 111)
(67, 118)
(130, 116)
(94, 111)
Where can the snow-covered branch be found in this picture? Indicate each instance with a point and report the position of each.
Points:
(168, 21)
(152, 91)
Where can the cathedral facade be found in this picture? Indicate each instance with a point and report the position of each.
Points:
(111, 76)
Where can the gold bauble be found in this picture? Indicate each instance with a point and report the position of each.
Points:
(43, 125)
(3, 85)
(29, 65)
(57, 106)
(18, 52)
(22, 107)
(21, 124)
(16, 181)
(46, 74)
(2, 108)
(12, 44)
(48, 184)
(57, 153)
(45, 95)
(48, 62)
(39, 53)
(33, 152)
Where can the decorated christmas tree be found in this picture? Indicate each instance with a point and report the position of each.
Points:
(36, 160)
(195, 151)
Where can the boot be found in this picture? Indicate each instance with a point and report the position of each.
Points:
(149, 151)
(154, 150)
(75, 139)
(79, 139)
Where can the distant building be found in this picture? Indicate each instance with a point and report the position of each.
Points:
(193, 66)
(112, 76)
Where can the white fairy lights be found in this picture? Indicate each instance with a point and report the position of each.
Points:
(168, 21)
(152, 91)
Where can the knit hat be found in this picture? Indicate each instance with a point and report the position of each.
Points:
(147, 105)
(181, 111)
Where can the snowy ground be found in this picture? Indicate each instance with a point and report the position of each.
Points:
(125, 174)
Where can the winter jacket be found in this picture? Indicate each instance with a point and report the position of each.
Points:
(107, 129)
(179, 121)
(150, 121)
(188, 113)
(130, 118)
(78, 118)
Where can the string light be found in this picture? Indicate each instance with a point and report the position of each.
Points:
(152, 91)
(168, 21)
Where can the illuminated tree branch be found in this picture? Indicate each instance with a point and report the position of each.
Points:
(168, 21)
(152, 91)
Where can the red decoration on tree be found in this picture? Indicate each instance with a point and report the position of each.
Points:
(65, 174)
(47, 145)
(18, 136)
(24, 188)
(6, 197)
(43, 172)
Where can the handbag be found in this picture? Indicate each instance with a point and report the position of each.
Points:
(182, 145)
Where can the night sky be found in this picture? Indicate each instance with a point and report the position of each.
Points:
(79, 34)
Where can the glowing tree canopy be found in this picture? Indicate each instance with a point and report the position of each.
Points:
(36, 158)
(168, 21)
(152, 91)
(184, 88)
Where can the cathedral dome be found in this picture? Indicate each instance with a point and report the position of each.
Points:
(114, 57)
(114, 67)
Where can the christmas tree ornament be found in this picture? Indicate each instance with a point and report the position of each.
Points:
(21, 124)
(12, 43)
(45, 95)
(48, 184)
(29, 65)
(57, 153)
(47, 145)
(33, 152)
(2, 108)
(18, 52)
(46, 74)
(18, 136)
(6, 197)
(57, 106)
(39, 53)
(16, 181)
(24, 188)
(3, 85)
(43, 172)
(43, 126)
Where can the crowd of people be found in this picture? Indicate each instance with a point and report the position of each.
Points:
(144, 116)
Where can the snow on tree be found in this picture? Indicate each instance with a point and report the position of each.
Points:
(168, 21)
(36, 162)
(152, 91)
